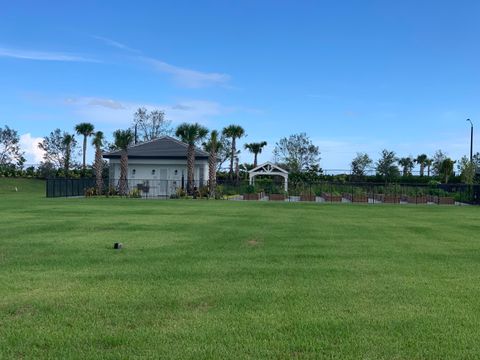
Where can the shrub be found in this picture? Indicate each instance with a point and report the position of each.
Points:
(135, 193)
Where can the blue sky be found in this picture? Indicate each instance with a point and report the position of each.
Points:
(355, 75)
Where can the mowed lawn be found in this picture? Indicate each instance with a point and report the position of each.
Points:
(235, 280)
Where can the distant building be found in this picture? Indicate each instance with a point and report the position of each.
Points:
(159, 167)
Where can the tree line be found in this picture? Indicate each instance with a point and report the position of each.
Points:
(296, 153)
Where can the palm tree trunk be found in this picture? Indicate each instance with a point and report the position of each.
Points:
(67, 160)
(428, 171)
(237, 170)
(190, 169)
(99, 170)
(212, 171)
(255, 160)
(422, 169)
(84, 153)
(122, 185)
(232, 157)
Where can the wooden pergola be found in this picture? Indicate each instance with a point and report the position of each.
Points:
(268, 168)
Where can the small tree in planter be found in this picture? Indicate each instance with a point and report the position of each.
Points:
(307, 196)
(417, 196)
(391, 196)
(250, 193)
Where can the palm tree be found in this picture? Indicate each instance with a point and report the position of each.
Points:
(407, 164)
(234, 132)
(98, 166)
(191, 134)
(428, 164)
(123, 139)
(67, 141)
(255, 149)
(421, 161)
(212, 146)
(85, 129)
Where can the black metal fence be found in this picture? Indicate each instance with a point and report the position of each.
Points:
(269, 189)
(68, 187)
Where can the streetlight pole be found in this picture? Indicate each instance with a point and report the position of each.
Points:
(471, 139)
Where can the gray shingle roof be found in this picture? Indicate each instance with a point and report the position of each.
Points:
(165, 147)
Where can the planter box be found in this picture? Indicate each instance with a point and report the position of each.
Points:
(360, 199)
(432, 198)
(307, 197)
(417, 200)
(251, 197)
(446, 200)
(391, 199)
(332, 198)
(277, 197)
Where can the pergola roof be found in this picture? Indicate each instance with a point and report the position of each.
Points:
(268, 168)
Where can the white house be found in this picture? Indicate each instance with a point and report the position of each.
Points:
(159, 167)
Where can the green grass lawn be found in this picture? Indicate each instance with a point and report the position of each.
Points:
(235, 280)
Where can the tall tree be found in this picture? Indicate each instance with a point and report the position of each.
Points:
(212, 146)
(255, 149)
(191, 134)
(233, 132)
(87, 130)
(446, 169)
(428, 164)
(386, 165)
(360, 164)
(420, 160)
(467, 169)
(438, 159)
(297, 151)
(151, 124)
(10, 152)
(407, 165)
(68, 142)
(123, 139)
(97, 141)
(55, 150)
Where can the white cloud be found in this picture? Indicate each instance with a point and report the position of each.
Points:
(187, 77)
(29, 145)
(108, 103)
(42, 55)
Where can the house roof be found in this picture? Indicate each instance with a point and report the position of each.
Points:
(164, 147)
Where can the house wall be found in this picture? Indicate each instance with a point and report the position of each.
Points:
(163, 177)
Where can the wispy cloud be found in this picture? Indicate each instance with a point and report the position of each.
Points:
(187, 77)
(183, 77)
(42, 55)
(115, 44)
